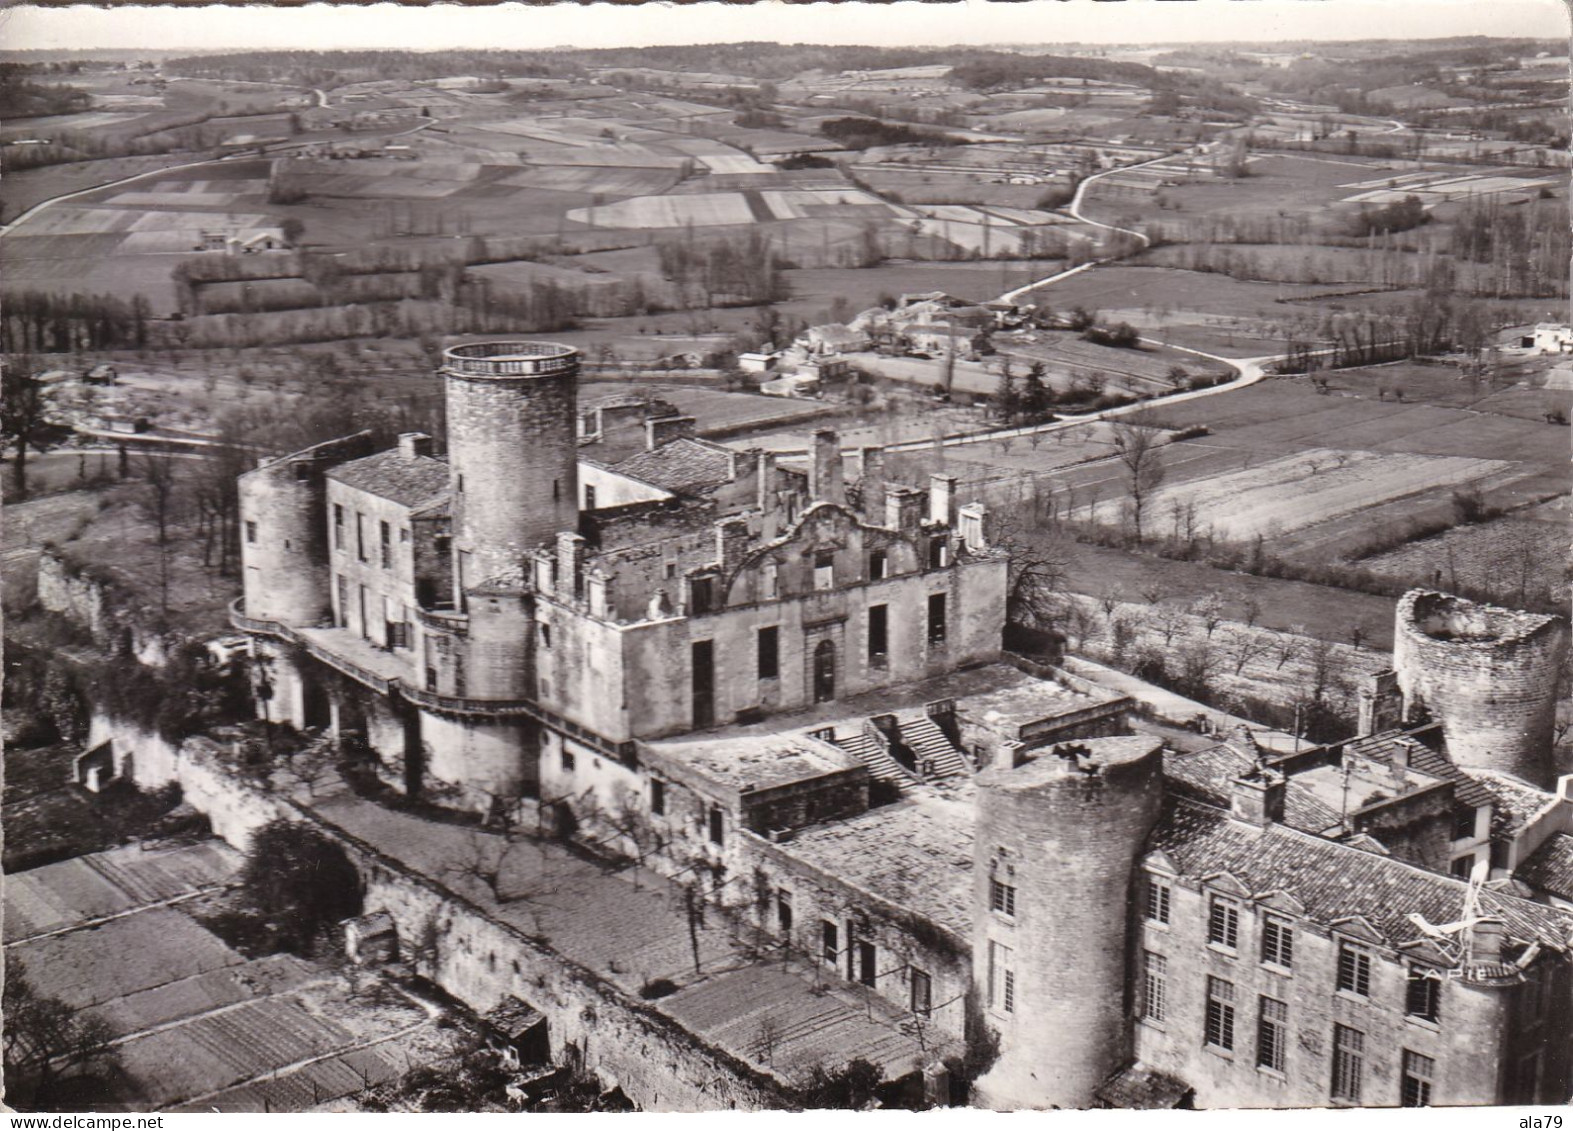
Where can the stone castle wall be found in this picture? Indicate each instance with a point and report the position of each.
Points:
(657, 1063)
(1488, 674)
(1066, 834)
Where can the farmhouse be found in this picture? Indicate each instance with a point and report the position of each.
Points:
(789, 682)
(1549, 337)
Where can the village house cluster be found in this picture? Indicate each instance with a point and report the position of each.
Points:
(785, 673)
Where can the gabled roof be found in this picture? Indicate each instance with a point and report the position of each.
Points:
(1551, 867)
(1513, 800)
(1336, 884)
(411, 481)
(684, 465)
(1205, 775)
(1390, 744)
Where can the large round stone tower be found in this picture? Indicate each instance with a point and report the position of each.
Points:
(513, 451)
(1058, 838)
(1489, 675)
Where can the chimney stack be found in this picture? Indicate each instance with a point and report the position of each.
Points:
(1257, 797)
(824, 469)
(973, 527)
(570, 564)
(942, 499)
(731, 542)
(872, 484)
(904, 509)
(666, 428)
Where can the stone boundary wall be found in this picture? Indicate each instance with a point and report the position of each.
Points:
(626, 1042)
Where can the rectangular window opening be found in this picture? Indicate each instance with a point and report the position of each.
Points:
(769, 652)
(1277, 943)
(1419, 1072)
(1158, 894)
(1219, 1029)
(1223, 923)
(1155, 986)
(878, 633)
(1354, 970)
(1272, 1034)
(936, 633)
(1348, 1063)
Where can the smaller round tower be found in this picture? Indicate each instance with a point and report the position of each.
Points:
(1489, 675)
(513, 451)
(284, 524)
(1057, 841)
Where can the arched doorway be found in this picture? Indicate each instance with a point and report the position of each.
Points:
(824, 672)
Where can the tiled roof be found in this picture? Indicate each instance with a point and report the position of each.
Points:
(1513, 802)
(408, 480)
(916, 854)
(1551, 867)
(1392, 744)
(1140, 1088)
(1205, 775)
(684, 465)
(1334, 882)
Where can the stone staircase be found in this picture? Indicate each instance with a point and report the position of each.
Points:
(904, 752)
(935, 755)
(876, 756)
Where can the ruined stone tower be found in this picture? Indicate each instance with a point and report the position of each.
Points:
(1489, 675)
(1057, 842)
(284, 532)
(512, 451)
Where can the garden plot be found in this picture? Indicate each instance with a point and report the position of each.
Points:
(593, 178)
(1520, 557)
(223, 1049)
(174, 199)
(699, 210)
(67, 221)
(1309, 487)
(1440, 186)
(86, 968)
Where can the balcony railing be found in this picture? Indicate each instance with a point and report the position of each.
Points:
(510, 359)
(430, 700)
(444, 620)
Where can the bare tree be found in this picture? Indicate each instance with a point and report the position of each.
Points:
(158, 476)
(22, 410)
(1243, 647)
(1208, 608)
(1288, 647)
(1039, 568)
(1170, 621)
(1136, 443)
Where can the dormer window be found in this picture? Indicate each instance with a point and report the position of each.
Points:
(939, 552)
(701, 597)
(1223, 924)
(877, 565)
(1354, 970)
(769, 585)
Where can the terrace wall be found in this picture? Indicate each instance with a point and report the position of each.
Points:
(657, 1063)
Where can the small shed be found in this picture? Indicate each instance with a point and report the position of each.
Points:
(757, 362)
(94, 769)
(522, 1029)
(371, 940)
(101, 375)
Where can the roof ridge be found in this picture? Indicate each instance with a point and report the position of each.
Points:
(1393, 861)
